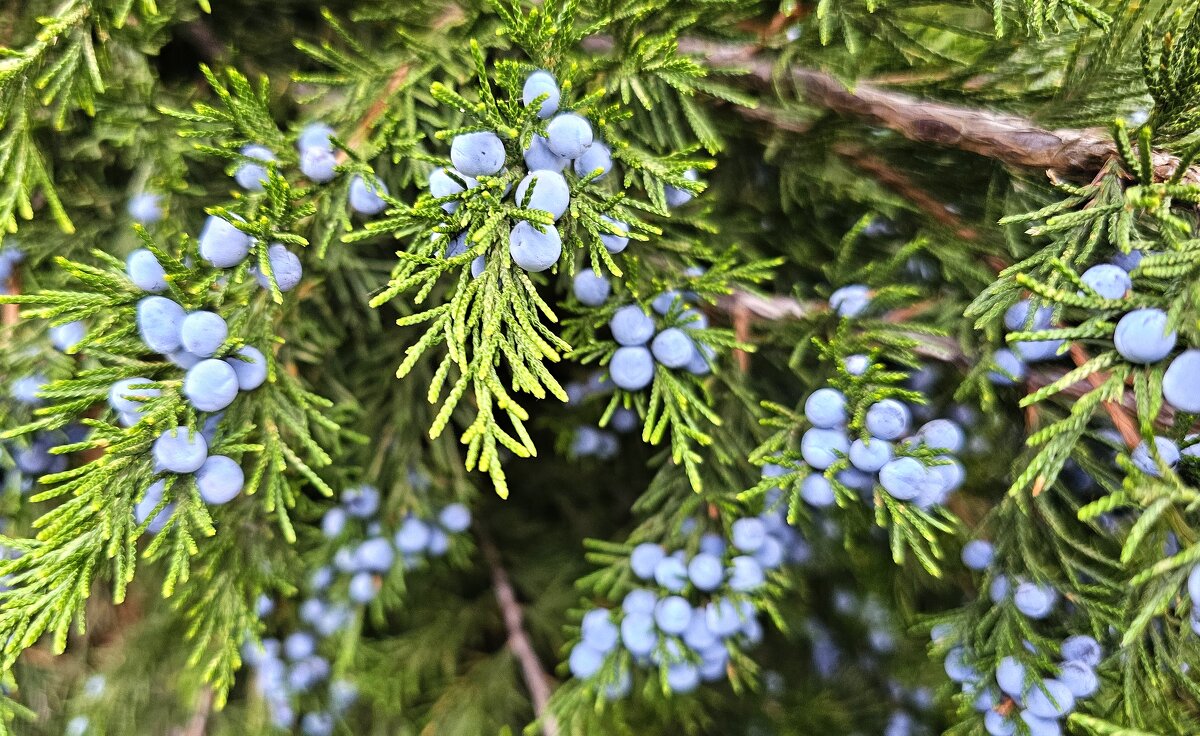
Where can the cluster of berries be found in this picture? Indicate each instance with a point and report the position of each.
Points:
(1019, 700)
(691, 640)
(569, 142)
(365, 554)
(644, 345)
(192, 341)
(920, 466)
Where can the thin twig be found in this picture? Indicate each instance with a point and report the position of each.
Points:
(1120, 418)
(535, 677)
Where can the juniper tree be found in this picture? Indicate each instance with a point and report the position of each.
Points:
(612, 367)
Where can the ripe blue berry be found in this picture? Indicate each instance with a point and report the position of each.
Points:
(1128, 261)
(446, 183)
(673, 348)
(159, 320)
(748, 534)
(888, 419)
(478, 154)
(222, 244)
(315, 135)
(210, 385)
(180, 451)
(671, 573)
(374, 555)
(817, 491)
(856, 365)
(1010, 369)
(65, 337)
(150, 500)
(590, 288)
(745, 574)
(1017, 317)
(251, 372)
(672, 615)
(532, 249)
(997, 724)
(644, 558)
(299, 645)
(631, 325)
(547, 191)
(942, 434)
(850, 301)
(706, 571)
(413, 536)
(251, 177)
(539, 156)
(1107, 280)
(202, 333)
(682, 678)
(367, 199)
(905, 478)
(584, 661)
(870, 455)
(361, 501)
(826, 408)
(123, 397)
(145, 271)
(145, 208)
(1142, 336)
(822, 447)
(537, 84)
(285, 266)
(638, 633)
(569, 134)
(701, 362)
(318, 164)
(615, 243)
(958, 668)
(598, 630)
(977, 554)
(317, 723)
(1052, 699)
(640, 600)
(1079, 678)
(1082, 648)
(597, 156)
(1181, 382)
(219, 480)
(677, 197)
(333, 523)
(1035, 601)
(1168, 451)
(455, 518)
(698, 636)
(1010, 676)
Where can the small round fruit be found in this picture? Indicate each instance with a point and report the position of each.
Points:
(822, 447)
(1142, 336)
(673, 348)
(145, 271)
(222, 244)
(615, 243)
(1181, 382)
(367, 200)
(888, 419)
(219, 480)
(180, 451)
(826, 408)
(631, 325)
(537, 84)
(252, 371)
(532, 249)
(285, 266)
(546, 190)
(1107, 280)
(158, 321)
(569, 134)
(597, 156)
(478, 154)
(210, 385)
(202, 333)
(590, 288)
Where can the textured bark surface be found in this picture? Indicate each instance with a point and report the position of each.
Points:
(1010, 139)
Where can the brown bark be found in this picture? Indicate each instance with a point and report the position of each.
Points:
(1010, 139)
